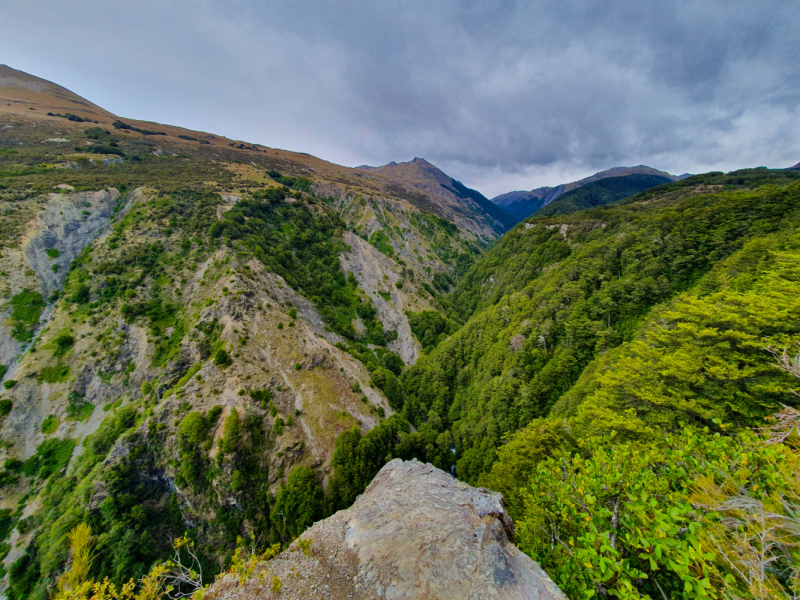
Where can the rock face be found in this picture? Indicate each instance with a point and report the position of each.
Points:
(415, 533)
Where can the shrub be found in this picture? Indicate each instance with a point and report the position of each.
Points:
(112, 427)
(54, 374)
(222, 359)
(9, 383)
(298, 504)
(192, 432)
(50, 424)
(6, 404)
(53, 252)
(232, 437)
(262, 396)
(78, 408)
(63, 342)
(51, 456)
(26, 309)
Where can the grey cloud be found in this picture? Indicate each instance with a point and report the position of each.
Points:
(493, 92)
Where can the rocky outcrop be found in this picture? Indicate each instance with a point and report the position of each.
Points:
(415, 533)
(375, 274)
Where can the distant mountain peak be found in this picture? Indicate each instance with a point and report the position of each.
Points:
(523, 204)
(424, 175)
(35, 90)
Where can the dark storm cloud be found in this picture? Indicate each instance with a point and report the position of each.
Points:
(499, 94)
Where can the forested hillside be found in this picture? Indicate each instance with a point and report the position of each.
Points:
(629, 349)
(187, 323)
(585, 285)
(598, 193)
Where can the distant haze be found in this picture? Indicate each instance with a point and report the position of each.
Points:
(501, 95)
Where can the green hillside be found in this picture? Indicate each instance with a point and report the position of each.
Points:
(598, 193)
(630, 348)
(580, 295)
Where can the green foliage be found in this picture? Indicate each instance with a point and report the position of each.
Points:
(9, 383)
(385, 380)
(222, 359)
(430, 327)
(357, 459)
(599, 193)
(192, 432)
(193, 370)
(262, 396)
(700, 358)
(685, 518)
(64, 342)
(6, 523)
(57, 373)
(51, 456)
(26, 309)
(231, 440)
(101, 441)
(53, 252)
(6, 404)
(120, 125)
(78, 408)
(303, 247)
(50, 424)
(517, 358)
(382, 242)
(298, 503)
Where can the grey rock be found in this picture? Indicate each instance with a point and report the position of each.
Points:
(415, 533)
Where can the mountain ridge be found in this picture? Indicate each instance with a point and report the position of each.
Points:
(426, 176)
(523, 204)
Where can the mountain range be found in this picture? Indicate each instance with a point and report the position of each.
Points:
(524, 204)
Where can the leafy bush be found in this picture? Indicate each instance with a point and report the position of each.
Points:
(57, 373)
(222, 359)
(26, 309)
(50, 424)
(192, 432)
(120, 125)
(78, 408)
(63, 342)
(656, 521)
(51, 456)
(298, 504)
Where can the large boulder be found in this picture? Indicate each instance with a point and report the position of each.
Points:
(415, 533)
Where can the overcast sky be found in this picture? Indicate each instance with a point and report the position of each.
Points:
(502, 95)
